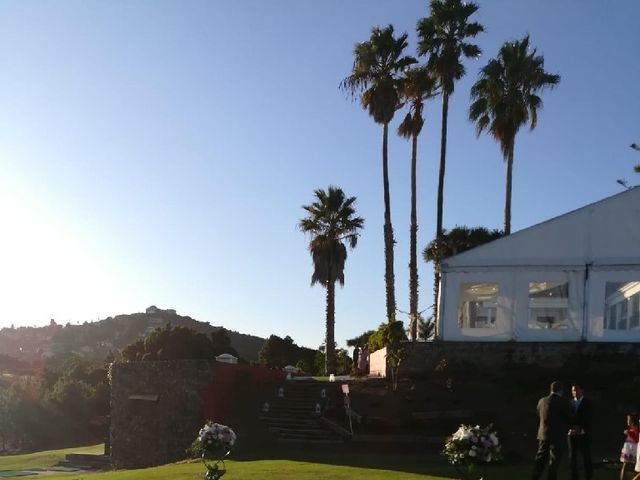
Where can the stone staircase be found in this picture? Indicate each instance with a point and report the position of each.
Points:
(296, 416)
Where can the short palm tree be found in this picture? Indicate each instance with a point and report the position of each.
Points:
(418, 86)
(505, 98)
(331, 222)
(459, 239)
(376, 76)
(444, 37)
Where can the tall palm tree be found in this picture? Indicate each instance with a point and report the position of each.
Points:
(331, 222)
(505, 98)
(376, 77)
(443, 37)
(419, 85)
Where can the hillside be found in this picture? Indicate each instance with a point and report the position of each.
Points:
(96, 340)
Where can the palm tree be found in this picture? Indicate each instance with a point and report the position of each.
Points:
(418, 86)
(375, 76)
(458, 240)
(443, 36)
(505, 98)
(331, 222)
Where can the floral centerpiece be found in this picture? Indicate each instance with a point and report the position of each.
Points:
(470, 447)
(214, 443)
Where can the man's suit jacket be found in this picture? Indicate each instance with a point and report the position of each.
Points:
(555, 414)
(581, 416)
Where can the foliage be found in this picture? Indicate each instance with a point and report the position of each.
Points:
(458, 240)
(331, 222)
(360, 340)
(443, 37)
(426, 328)
(377, 65)
(221, 343)
(505, 98)
(66, 401)
(279, 352)
(419, 85)
(505, 95)
(8, 405)
(471, 446)
(391, 336)
(376, 76)
(171, 343)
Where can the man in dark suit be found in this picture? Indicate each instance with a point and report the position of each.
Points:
(554, 412)
(579, 433)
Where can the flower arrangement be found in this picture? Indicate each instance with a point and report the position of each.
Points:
(214, 442)
(470, 447)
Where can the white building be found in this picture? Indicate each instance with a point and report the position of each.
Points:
(574, 277)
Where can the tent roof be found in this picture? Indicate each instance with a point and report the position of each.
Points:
(606, 232)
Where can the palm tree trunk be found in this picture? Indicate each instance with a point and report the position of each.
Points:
(413, 247)
(330, 348)
(389, 277)
(507, 201)
(443, 156)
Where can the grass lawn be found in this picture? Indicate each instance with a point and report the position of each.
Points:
(43, 459)
(316, 466)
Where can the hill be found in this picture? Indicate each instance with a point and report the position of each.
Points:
(97, 340)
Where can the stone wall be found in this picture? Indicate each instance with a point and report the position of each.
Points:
(157, 408)
(378, 363)
(424, 356)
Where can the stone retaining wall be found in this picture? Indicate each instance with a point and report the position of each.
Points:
(157, 408)
(424, 356)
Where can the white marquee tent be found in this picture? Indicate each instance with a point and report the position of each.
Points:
(572, 278)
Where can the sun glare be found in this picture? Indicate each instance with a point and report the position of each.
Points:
(46, 272)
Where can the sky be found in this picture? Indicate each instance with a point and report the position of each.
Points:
(159, 152)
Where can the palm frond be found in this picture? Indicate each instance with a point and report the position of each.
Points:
(505, 96)
(376, 73)
(331, 220)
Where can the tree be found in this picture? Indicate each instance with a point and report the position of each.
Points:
(7, 422)
(505, 98)
(443, 37)
(458, 240)
(419, 85)
(170, 343)
(279, 352)
(221, 342)
(331, 222)
(391, 336)
(376, 76)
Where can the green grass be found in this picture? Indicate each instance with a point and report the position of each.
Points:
(43, 459)
(315, 466)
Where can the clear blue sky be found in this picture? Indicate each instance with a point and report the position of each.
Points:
(157, 152)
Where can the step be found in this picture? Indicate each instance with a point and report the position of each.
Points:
(312, 432)
(324, 441)
(86, 461)
(290, 422)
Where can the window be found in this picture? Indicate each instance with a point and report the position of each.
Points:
(478, 305)
(622, 306)
(634, 311)
(548, 305)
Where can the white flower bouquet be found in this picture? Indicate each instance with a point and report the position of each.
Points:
(471, 446)
(214, 442)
